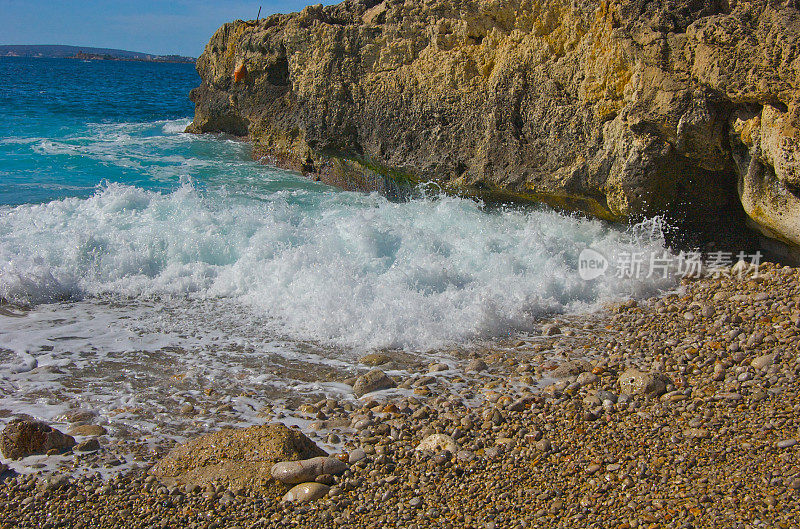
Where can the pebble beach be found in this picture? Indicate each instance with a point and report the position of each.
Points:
(676, 411)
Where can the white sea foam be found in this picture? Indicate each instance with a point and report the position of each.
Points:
(262, 286)
(336, 268)
(175, 126)
(19, 141)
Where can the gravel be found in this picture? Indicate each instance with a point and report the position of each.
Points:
(716, 449)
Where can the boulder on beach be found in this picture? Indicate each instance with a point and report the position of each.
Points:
(89, 430)
(476, 365)
(25, 437)
(237, 458)
(636, 382)
(375, 380)
(375, 359)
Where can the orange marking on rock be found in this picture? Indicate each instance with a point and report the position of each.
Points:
(240, 73)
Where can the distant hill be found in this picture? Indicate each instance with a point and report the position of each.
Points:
(79, 52)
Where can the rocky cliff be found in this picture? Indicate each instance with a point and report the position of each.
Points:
(617, 109)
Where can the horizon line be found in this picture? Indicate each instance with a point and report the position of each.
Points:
(104, 48)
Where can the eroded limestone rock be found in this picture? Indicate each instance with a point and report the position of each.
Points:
(237, 458)
(613, 108)
(22, 438)
(374, 380)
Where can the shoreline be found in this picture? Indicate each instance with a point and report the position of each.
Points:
(715, 446)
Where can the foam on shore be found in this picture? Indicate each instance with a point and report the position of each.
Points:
(338, 268)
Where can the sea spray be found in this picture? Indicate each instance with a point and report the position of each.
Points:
(338, 268)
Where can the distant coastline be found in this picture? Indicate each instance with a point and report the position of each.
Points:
(108, 57)
(56, 51)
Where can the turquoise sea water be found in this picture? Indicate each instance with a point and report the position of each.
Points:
(130, 247)
(60, 121)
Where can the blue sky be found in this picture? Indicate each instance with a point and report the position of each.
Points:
(158, 27)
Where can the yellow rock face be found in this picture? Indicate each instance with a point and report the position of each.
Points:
(769, 167)
(612, 108)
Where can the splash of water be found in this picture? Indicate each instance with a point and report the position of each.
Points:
(338, 268)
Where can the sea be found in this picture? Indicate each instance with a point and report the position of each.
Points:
(142, 268)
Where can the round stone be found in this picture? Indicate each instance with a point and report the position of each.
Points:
(305, 492)
(438, 442)
(92, 430)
